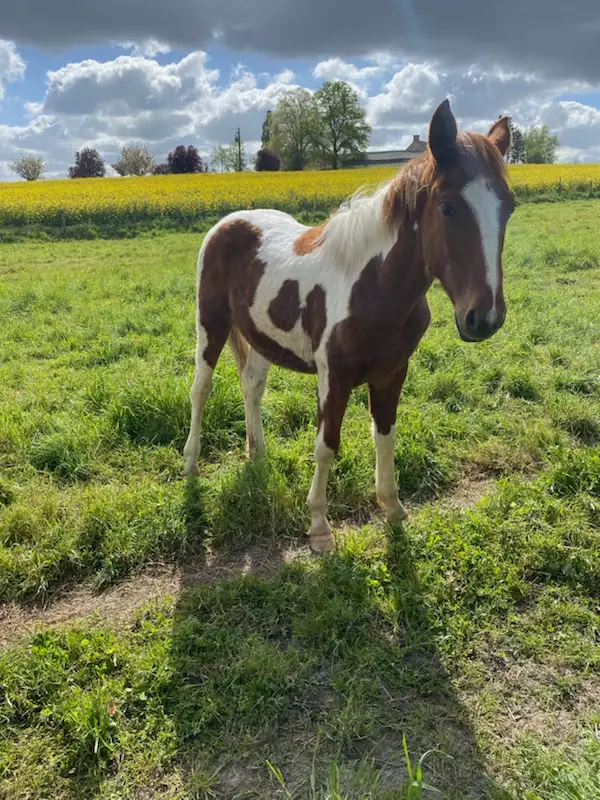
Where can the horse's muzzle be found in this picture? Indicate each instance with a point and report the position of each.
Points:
(478, 327)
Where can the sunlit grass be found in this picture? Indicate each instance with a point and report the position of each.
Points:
(473, 631)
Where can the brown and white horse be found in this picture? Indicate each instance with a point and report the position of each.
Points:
(346, 300)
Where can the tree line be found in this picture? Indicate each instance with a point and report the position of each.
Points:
(321, 129)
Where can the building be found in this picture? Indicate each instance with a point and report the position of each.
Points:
(389, 158)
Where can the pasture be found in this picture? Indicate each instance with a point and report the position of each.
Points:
(188, 637)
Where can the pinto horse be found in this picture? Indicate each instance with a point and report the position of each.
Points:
(347, 299)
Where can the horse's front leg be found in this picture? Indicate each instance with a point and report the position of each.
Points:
(383, 402)
(333, 399)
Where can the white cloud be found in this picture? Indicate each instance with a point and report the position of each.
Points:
(286, 76)
(578, 128)
(408, 96)
(12, 65)
(336, 69)
(126, 85)
(136, 99)
(150, 48)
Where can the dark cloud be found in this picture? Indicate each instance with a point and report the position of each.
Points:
(551, 37)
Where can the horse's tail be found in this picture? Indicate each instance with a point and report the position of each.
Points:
(240, 348)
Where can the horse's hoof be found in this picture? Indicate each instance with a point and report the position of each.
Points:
(255, 453)
(395, 511)
(321, 540)
(191, 470)
(398, 513)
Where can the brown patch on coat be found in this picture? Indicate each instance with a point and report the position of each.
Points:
(314, 315)
(284, 310)
(230, 276)
(309, 240)
(230, 252)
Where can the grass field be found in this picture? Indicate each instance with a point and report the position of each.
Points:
(87, 209)
(474, 630)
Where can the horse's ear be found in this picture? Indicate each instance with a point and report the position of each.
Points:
(442, 136)
(500, 134)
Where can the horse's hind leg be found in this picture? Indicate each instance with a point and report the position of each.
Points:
(211, 340)
(253, 370)
(254, 381)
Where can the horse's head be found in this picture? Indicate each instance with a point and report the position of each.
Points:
(465, 206)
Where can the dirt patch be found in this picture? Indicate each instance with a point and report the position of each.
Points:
(115, 605)
(551, 704)
(470, 491)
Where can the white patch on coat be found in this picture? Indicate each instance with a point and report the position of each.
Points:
(485, 205)
(317, 496)
(385, 475)
(254, 381)
(279, 232)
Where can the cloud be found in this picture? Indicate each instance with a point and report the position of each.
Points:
(577, 126)
(286, 76)
(409, 96)
(150, 48)
(554, 39)
(12, 65)
(336, 69)
(136, 99)
(126, 85)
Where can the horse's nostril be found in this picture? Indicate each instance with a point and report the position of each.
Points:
(471, 319)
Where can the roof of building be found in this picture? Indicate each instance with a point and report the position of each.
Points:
(386, 155)
(416, 146)
(393, 156)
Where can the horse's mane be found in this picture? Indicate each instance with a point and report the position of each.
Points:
(369, 224)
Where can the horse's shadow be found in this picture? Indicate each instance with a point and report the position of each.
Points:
(311, 660)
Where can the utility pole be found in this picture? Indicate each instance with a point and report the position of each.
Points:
(238, 140)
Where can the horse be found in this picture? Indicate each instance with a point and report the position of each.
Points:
(346, 300)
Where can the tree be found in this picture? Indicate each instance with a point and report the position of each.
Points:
(266, 130)
(540, 146)
(30, 168)
(161, 169)
(88, 164)
(135, 160)
(344, 130)
(294, 128)
(267, 161)
(223, 158)
(516, 152)
(184, 159)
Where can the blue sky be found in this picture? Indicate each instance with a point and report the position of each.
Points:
(65, 84)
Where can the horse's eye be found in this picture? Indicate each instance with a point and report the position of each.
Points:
(447, 209)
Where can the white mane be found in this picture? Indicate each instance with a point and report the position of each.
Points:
(358, 231)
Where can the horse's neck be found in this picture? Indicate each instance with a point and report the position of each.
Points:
(401, 277)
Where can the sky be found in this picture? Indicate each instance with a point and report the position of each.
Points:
(75, 73)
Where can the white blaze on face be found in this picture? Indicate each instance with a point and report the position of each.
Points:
(485, 205)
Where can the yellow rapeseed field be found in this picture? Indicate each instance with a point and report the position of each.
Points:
(190, 197)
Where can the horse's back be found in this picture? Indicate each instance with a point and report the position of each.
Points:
(264, 220)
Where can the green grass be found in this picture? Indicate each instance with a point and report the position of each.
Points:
(473, 632)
